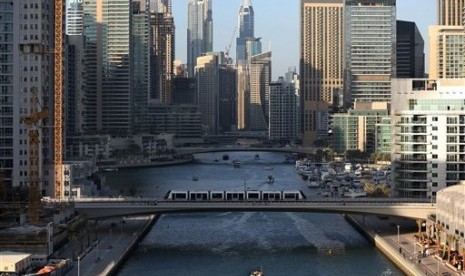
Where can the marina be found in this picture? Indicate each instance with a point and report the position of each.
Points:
(234, 243)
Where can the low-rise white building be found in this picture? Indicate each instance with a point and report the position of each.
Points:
(14, 262)
(450, 212)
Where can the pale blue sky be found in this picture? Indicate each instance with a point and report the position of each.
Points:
(277, 22)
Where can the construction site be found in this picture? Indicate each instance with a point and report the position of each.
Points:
(29, 233)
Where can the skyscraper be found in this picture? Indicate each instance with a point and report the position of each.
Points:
(370, 58)
(246, 30)
(410, 51)
(116, 60)
(199, 31)
(450, 12)
(207, 75)
(260, 79)
(321, 63)
(26, 75)
(163, 31)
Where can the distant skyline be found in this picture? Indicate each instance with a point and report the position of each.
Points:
(278, 26)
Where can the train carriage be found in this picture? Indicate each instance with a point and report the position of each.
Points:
(199, 195)
(252, 195)
(271, 195)
(234, 195)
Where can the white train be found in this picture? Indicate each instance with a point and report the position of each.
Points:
(235, 195)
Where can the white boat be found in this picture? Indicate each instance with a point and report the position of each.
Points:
(257, 272)
(313, 182)
(355, 193)
(110, 169)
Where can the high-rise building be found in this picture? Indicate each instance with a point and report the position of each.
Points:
(74, 15)
(184, 90)
(410, 51)
(216, 90)
(446, 59)
(75, 71)
(259, 81)
(246, 30)
(199, 31)
(450, 12)
(284, 111)
(243, 96)
(207, 75)
(321, 63)
(370, 42)
(26, 74)
(162, 26)
(116, 59)
(427, 136)
(227, 98)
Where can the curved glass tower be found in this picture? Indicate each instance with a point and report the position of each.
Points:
(246, 29)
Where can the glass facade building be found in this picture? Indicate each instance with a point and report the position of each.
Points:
(116, 60)
(370, 42)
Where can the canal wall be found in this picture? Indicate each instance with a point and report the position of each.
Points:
(113, 268)
(382, 245)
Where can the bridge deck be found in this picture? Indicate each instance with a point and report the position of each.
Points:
(109, 207)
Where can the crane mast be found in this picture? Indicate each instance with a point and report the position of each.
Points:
(58, 100)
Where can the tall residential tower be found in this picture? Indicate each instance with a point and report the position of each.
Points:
(162, 59)
(450, 12)
(199, 31)
(370, 57)
(321, 63)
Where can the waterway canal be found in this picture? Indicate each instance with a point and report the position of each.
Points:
(233, 244)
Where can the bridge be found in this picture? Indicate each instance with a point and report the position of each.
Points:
(98, 208)
(194, 150)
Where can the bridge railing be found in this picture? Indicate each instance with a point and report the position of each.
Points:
(311, 201)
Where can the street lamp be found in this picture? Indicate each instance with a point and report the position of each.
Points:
(79, 263)
(398, 234)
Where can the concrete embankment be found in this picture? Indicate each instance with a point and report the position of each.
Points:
(125, 254)
(117, 238)
(392, 253)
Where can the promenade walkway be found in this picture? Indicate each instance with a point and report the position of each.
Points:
(115, 240)
(402, 247)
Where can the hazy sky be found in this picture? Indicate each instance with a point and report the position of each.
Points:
(277, 22)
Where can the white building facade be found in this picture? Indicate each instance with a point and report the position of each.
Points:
(450, 213)
(284, 112)
(427, 135)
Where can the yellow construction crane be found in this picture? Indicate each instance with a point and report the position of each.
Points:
(31, 121)
(58, 101)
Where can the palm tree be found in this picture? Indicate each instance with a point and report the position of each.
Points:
(419, 223)
(450, 240)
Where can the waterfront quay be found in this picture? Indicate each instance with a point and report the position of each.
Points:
(395, 238)
(116, 238)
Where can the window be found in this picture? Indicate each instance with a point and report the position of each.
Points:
(435, 137)
(435, 156)
(435, 166)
